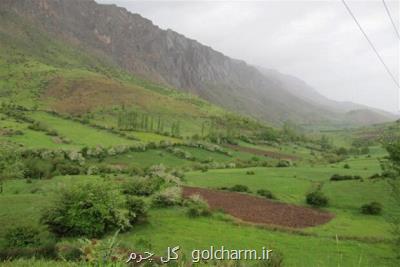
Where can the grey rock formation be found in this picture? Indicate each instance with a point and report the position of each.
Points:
(140, 47)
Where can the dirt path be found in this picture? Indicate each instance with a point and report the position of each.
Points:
(259, 152)
(258, 210)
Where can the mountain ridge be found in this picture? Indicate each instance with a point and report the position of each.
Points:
(137, 45)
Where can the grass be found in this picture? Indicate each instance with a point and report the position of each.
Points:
(147, 159)
(284, 186)
(169, 228)
(203, 155)
(290, 185)
(79, 134)
(30, 138)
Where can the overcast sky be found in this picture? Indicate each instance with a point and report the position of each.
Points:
(316, 41)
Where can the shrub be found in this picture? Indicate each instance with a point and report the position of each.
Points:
(38, 169)
(266, 193)
(68, 168)
(373, 208)
(338, 177)
(85, 210)
(143, 186)
(38, 126)
(169, 197)
(317, 199)
(68, 252)
(204, 168)
(137, 211)
(283, 164)
(47, 251)
(27, 242)
(276, 260)
(22, 236)
(135, 171)
(346, 166)
(239, 188)
(178, 174)
(197, 207)
(250, 172)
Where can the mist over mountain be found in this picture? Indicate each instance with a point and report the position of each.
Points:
(138, 46)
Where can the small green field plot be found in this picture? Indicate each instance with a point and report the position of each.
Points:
(171, 227)
(146, 159)
(205, 155)
(300, 179)
(351, 195)
(283, 184)
(298, 151)
(350, 224)
(21, 134)
(360, 163)
(80, 134)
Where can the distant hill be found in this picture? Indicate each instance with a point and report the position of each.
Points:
(346, 112)
(135, 44)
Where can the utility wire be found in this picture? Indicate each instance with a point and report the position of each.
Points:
(391, 19)
(370, 43)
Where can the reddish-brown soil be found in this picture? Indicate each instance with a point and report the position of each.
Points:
(259, 152)
(259, 210)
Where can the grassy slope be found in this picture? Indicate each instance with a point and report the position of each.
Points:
(171, 227)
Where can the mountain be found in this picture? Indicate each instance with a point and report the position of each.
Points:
(136, 45)
(347, 112)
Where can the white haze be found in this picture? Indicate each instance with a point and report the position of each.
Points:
(316, 41)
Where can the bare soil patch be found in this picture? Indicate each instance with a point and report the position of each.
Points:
(260, 152)
(260, 211)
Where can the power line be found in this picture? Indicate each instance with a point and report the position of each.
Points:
(370, 43)
(391, 19)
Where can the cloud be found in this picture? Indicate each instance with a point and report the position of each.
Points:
(316, 41)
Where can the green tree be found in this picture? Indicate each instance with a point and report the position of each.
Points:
(393, 149)
(89, 210)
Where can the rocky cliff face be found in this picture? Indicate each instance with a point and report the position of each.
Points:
(137, 45)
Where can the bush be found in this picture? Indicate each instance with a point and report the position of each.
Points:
(47, 251)
(317, 199)
(346, 166)
(169, 197)
(197, 207)
(143, 186)
(22, 236)
(68, 252)
(135, 171)
(250, 172)
(68, 168)
(373, 208)
(86, 210)
(283, 164)
(38, 169)
(27, 242)
(239, 188)
(338, 177)
(137, 211)
(266, 193)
